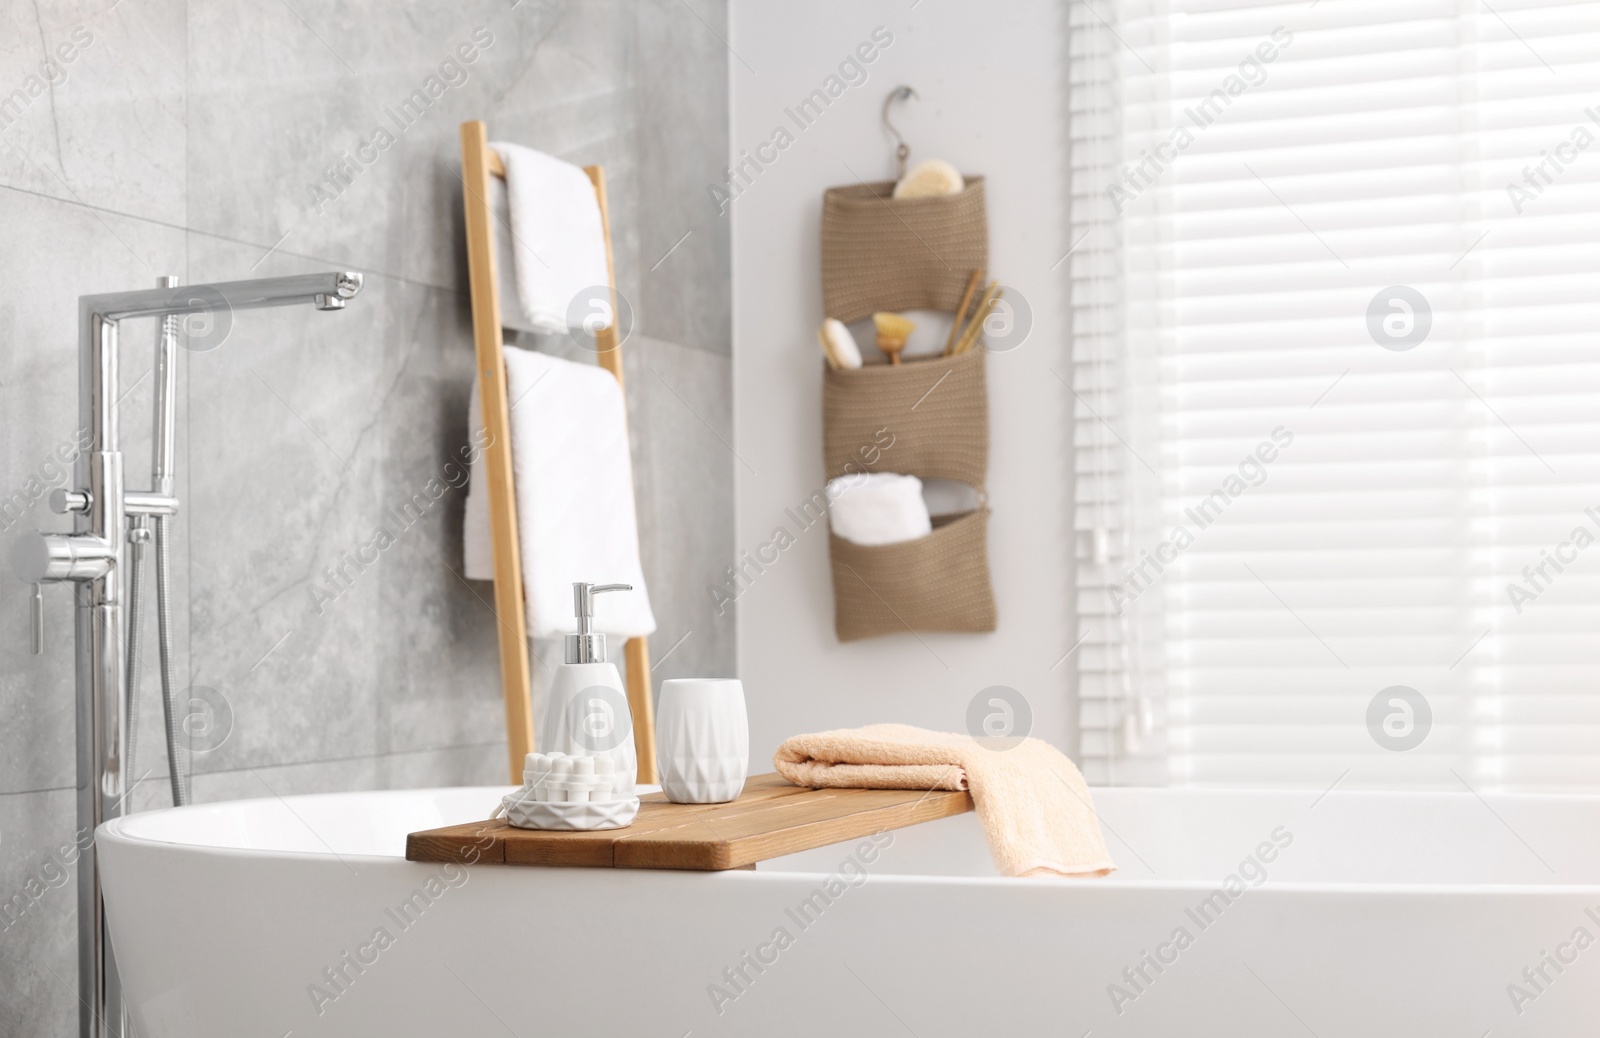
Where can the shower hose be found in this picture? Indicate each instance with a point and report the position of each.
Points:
(177, 758)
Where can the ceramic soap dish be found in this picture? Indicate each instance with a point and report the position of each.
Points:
(572, 793)
(583, 815)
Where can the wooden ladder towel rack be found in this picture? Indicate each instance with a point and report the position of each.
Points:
(478, 164)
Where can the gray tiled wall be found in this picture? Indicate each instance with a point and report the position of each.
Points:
(189, 139)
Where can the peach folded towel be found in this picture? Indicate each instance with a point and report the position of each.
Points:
(1033, 803)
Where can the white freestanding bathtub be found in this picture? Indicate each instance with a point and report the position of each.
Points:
(1359, 914)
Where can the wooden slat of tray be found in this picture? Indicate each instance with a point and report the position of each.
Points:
(771, 818)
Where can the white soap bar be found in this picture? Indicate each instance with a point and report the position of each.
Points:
(560, 773)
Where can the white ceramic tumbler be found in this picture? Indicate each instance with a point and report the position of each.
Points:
(702, 739)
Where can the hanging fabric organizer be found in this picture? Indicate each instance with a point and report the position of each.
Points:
(926, 417)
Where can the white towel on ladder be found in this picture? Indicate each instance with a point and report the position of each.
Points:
(557, 244)
(574, 491)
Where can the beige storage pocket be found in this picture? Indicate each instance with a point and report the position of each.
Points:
(883, 253)
(935, 583)
(927, 418)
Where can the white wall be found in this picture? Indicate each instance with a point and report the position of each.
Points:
(992, 101)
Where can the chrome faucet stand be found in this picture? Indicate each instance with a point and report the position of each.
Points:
(94, 558)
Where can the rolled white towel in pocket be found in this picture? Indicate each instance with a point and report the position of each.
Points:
(878, 508)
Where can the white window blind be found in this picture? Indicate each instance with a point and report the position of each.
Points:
(1362, 238)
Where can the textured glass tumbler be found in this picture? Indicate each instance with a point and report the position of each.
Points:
(702, 739)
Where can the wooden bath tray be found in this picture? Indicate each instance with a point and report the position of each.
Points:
(771, 818)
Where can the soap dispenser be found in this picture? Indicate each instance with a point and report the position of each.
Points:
(586, 713)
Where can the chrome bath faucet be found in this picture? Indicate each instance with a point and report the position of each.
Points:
(101, 556)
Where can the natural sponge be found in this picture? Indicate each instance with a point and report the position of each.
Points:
(929, 179)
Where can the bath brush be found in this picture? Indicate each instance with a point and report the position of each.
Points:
(893, 331)
(838, 345)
